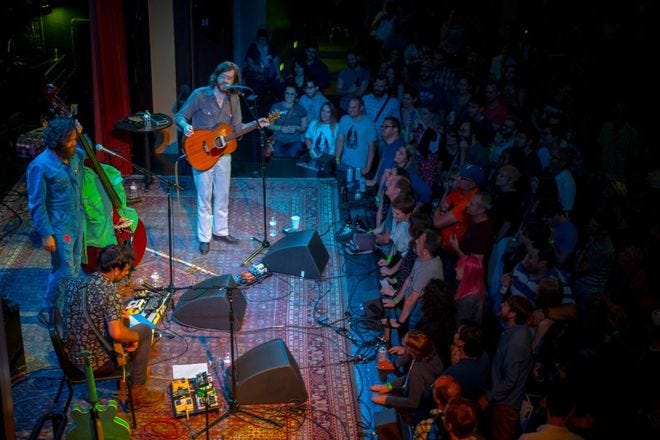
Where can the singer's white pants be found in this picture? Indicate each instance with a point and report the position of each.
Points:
(213, 199)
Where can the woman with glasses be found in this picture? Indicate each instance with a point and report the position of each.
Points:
(288, 132)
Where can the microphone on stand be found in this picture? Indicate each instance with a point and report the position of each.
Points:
(100, 147)
(237, 87)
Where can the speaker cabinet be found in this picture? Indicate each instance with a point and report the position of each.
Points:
(296, 252)
(268, 373)
(14, 338)
(206, 305)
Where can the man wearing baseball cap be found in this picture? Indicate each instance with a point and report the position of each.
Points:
(450, 217)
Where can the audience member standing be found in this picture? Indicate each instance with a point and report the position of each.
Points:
(356, 139)
(512, 364)
(290, 126)
(321, 134)
(378, 105)
(353, 80)
(316, 68)
(312, 99)
(470, 364)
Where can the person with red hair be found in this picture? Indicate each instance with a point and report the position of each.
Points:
(471, 291)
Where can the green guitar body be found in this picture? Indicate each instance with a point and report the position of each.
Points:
(113, 427)
(96, 421)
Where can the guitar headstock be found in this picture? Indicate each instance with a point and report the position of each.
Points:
(57, 104)
(273, 116)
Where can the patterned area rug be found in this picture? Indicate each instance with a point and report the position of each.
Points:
(281, 306)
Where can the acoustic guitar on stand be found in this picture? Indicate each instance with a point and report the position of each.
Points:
(205, 147)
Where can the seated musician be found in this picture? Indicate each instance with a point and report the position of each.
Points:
(104, 306)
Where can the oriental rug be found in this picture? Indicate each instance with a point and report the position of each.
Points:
(280, 306)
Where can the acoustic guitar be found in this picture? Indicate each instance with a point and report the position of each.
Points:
(124, 234)
(205, 147)
(98, 421)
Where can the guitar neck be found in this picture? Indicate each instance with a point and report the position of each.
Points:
(89, 150)
(246, 129)
(96, 166)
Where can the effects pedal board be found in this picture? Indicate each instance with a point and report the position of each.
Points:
(151, 306)
(193, 396)
(257, 273)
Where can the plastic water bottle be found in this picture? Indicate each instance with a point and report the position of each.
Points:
(272, 230)
(146, 118)
(302, 281)
(382, 353)
(155, 279)
(132, 190)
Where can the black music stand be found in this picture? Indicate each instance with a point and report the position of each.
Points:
(135, 124)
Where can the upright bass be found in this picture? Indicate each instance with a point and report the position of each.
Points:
(122, 226)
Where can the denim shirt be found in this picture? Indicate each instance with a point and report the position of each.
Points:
(55, 193)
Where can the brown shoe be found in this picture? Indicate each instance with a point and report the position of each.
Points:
(145, 396)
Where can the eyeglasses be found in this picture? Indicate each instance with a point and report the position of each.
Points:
(387, 126)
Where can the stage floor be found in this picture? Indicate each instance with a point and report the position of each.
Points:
(317, 319)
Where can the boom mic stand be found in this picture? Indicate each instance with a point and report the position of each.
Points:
(264, 244)
(234, 406)
(169, 185)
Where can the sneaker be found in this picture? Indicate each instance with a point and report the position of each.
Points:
(229, 239)
(204, 248)
(145, 396)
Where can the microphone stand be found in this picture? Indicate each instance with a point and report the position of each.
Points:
(233, 404)
(169, 185)
(264, 244)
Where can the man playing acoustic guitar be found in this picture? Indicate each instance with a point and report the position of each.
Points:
(206, 109)
(104, 308)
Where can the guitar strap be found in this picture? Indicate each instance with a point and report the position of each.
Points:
(382, 107)
(119, 358)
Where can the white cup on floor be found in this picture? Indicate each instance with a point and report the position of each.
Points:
(295, 222)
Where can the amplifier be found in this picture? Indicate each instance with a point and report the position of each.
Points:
(15, 350)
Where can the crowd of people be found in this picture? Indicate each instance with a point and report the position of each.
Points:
(515, 242)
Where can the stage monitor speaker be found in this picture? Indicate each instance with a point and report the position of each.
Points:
(206, 305)
(268, 373)
(296, 252)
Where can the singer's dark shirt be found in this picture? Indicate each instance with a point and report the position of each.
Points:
(201, 110)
